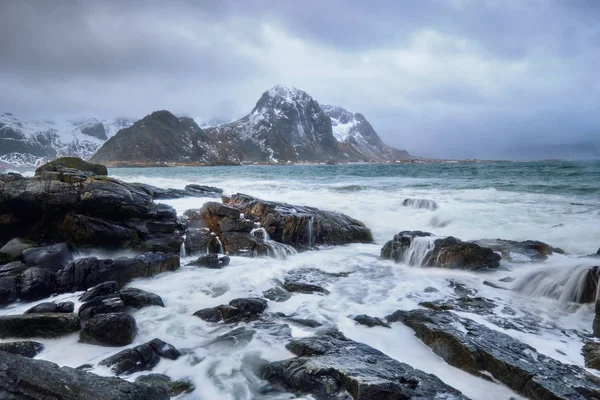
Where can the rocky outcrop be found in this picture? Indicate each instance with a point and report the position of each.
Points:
(479, 350)
(525, 251)
(369, 321)
(140, 358)
(112, 329)
(19, 282)
(52, 258)
(26, 348)
(418, 248)
(97, 212)
(327, 369)
(71, 163)
(23, 378)
(238, 310)
(12, 250)
(52, 308)
(421, 203)
(159, 381)
(190, 191)
(38, 325)
(591, 354)
(214, 261)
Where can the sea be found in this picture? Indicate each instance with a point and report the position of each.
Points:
(557, 202)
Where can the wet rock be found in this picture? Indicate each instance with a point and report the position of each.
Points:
(596, 322)
(327, 369)
(36, 283)
(175, 388)
(301, 287)
(508, 279)
(52, 307)
(138, 298)
(430, 289)
(300, 226)
(12, 250)
(369, 321)
(115, 329)
(420, 203)
(591, 354)
(52, 258)
(479, 350)
(101, 305)
(238, 337)
(74, 163)
(38, 325)
(277, 294)
(101, 289)
(310, 323)
(10, 281)
(525, 251)
(493, 285)
(476, 305)
(25, 348)
(202, 191)
(160, 193)
(460, 289)
(214, 261)
(24, 378)
(238, 310)
(423, 249)
(140, 358)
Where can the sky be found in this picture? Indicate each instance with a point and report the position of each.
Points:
(440, 78)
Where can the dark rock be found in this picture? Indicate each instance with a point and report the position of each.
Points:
(300, 226)
(420, 203)
(446, 252)
(430, 289)
(72, 162)
(26, 348)
(238, 337)
(101, 305)
(23, 378)
(202, 191)
(277, 294)
(52, 258)
(175, 388)
(138, 298)
(38, 325)
(212, 314)
(311, 323)
(214, 261)
(327, 369)
(301, 287)
(101, 289)
(492, 284)
(460, 289)
(238, 310)
(197, 240)
(591, 354)
(36, 283)
(479, 350)
(160, 193)
(11, 177)
(476, 305)
(525, 251)
(116, 329)
(370, 321)
(51, 308)
(140, 358)
(12, 250)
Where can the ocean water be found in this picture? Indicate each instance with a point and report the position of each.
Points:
(555, 202)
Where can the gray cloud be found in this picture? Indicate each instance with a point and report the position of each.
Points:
(455, 78)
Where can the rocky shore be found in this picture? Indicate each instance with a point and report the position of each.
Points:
(55, 225)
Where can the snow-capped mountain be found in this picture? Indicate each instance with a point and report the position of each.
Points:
(357, 133)
(285, 125)
(162, 137)
(25, 144)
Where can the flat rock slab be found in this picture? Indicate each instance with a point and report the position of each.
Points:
(24, 379)
(26, 348)
(38, 325)
(332, 367)
(478, 350)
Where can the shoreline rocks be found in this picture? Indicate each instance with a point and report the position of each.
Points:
(38, 325)
(140, 358)
(112, 329)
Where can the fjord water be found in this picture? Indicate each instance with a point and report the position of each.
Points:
(555, 202)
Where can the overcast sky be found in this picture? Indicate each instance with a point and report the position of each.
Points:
(445, 78)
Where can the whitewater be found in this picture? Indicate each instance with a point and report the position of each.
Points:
(554, 202)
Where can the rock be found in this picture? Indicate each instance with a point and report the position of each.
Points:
(423, 249)
(525, 251)
(10, 281)
(23, 378)
(38, 325)
(159, 193)
(203, 191)
(310, 323)
(101, 289)
(214, 261)
(370, 321)
(591, 354)
(140, 358)
(11, 176)
(480, 351)
(52, 258)
(72, 162)
(327, 369)
(157, 380)
(238, 337)
(277, 294)
(476, 305)
(301, 287)
(115, 329)
(197, 240)
(35, 284)
(300, 226)
(101, 305)
(138, 298)
(596, 322)
(238, 310)
(420, 203)
(12, 250)
(50, 308)
(27, 349)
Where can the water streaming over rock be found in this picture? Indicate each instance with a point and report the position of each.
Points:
(420, 203)
(420, 247)
(182, 252)
(311, 221)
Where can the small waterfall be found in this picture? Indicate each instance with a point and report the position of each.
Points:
(221, 250)
(311, 220)
(577, 284)
(420, 203)
(182, 253)
(420, 247)
(274, 249)
(259, 232)
(213, 236)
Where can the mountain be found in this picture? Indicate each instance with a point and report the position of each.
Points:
(161, 137)
(357, 134)
(285, 125)
(25, 144)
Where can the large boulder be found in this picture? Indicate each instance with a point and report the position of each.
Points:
(525, 251)
(25, 348)
(141, 358)
(331, 367)
(23, 378)
(12, 250)
(101, 305)
(238, 310)
(194, 190)
(114, 329)
(482, 351)
(38, 325)
(52, 308)
(418, 248)
(74, 163)
(52, 258)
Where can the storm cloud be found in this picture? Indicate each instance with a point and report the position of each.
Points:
(440, 78)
